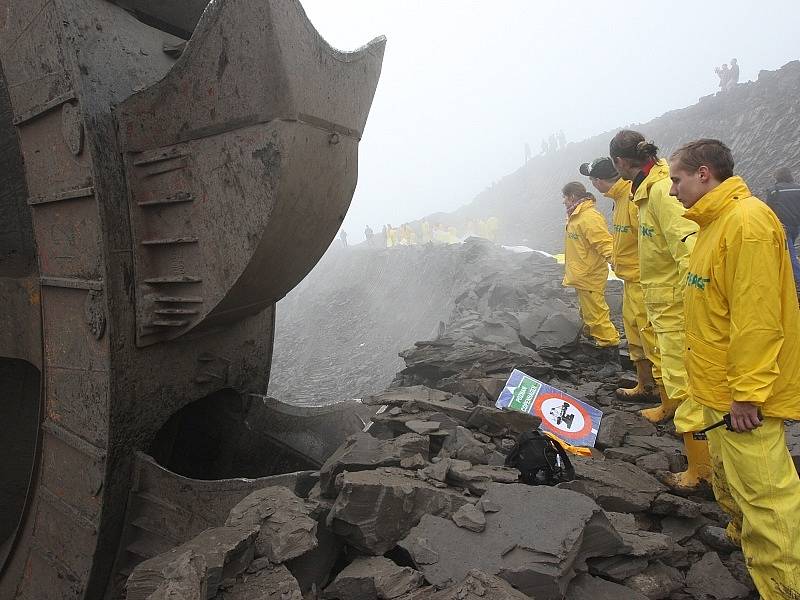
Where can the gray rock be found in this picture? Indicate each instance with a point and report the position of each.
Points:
(717, 538)
(422, 427)
(536, 541)
(496, 422)
(183, 575)
(681, 528)
(476, 478)
(627, 453)
(617, 568)
(613, 430)
(478, 586)
(709, 579)
(373, 578)
(470, 517)
(285, 528)
(362, 452)
(675, 506)
(666, 444)
(377, 508)
(462, 445)
(556, 332)
(586, 587)
(196, 567)
(657, 581)
(615, 485)
(653, 463)
(272, 583)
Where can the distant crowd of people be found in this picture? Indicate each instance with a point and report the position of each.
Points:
(728, 75)
(712, 319)
(423, 232)
(555, 142)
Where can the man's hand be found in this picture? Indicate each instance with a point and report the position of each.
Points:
(744, 416)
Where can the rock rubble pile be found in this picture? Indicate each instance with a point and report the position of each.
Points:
(420, 506)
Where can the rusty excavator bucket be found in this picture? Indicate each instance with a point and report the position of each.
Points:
(170, 170)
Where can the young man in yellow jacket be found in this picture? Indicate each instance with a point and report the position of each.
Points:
(666, 240)
(625, 262)
(587, 249)
(743, 358)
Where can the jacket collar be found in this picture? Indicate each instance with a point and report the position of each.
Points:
(718, 201)
(659, 171)
(615, 192)
(586, 204)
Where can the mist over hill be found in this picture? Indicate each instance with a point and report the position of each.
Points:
(759, 120)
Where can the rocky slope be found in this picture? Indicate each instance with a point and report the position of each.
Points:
(759, 120)
(420, 506)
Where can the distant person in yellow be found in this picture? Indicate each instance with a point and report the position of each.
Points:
(391, 236)
(492, 227)
(426, 232)
(666, 240)
(625, 262)
(587, 246)
(743, 358)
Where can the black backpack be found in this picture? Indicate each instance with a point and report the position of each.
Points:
(540, 460)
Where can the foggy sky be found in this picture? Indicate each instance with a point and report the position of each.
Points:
(466, 84)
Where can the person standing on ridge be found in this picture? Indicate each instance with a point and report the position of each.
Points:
(666, 239)
(743, 359)
(733, 75)
(343, 237)
(625, 262)
(588, 249)
(369, 235)
(784, 200)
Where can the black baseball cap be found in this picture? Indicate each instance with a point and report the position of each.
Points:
(600, 168)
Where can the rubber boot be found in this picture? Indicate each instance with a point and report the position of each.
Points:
(645, 386)
(662, 412)
(699, 469)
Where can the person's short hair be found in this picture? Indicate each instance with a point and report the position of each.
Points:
(705, 152)
(784, 175)
(632, 145)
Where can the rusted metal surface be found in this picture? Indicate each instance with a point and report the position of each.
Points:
(167, 201)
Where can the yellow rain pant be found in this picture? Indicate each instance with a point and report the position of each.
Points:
(763, 485)
(634, 318)
(665, 310)
(597, 317)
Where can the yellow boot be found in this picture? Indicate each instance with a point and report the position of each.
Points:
(645, 386)
(699, 469)
(662, 412)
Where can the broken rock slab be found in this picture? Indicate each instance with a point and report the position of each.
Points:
(362, 452)
(658, 581)
(586, 587)
(617, 568)
(462, 445)
(373, 578)
(536, 541)
(375, 509)
(615, 485)
(470, 517)
(478, 585)
(709, 579)
(286, 529)
(495, 422)
(202, 563)
(671, 505)
(274, 582)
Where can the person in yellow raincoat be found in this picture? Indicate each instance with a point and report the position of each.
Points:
(743, 358)
(625, 262)
(587, 246)
(666, 239)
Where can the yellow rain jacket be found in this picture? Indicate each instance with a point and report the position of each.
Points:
(625, 232)
(665, 236)
(587, 248)
(742, 318)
